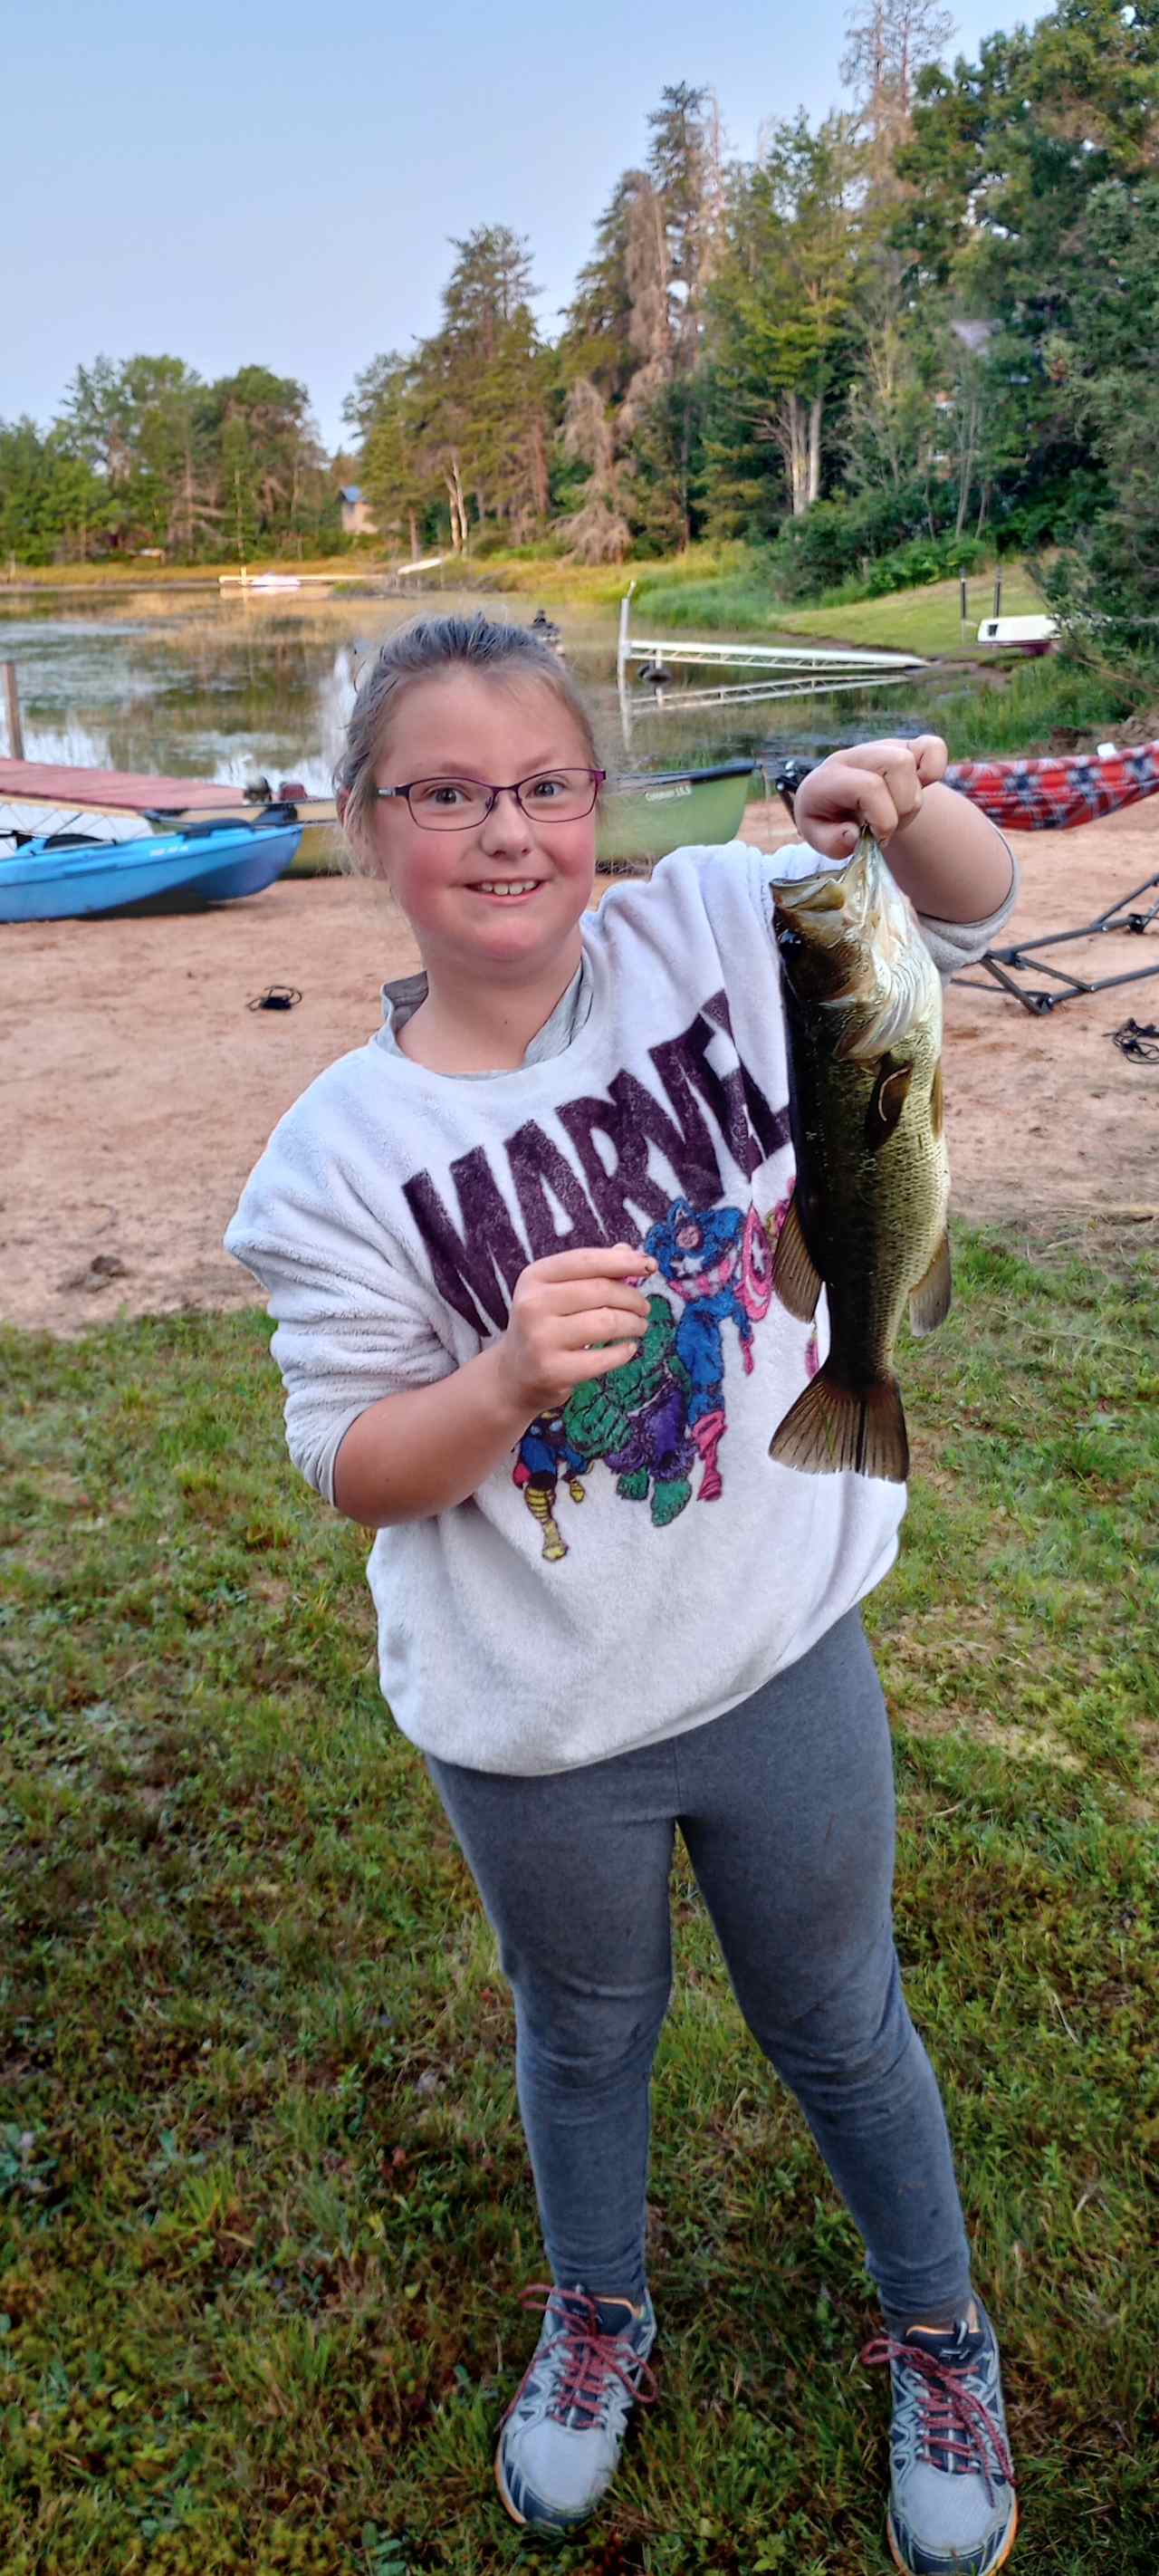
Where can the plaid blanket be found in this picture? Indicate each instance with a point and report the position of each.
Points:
(1052, 795)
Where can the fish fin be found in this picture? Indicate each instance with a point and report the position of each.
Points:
(796, 1277)
(833, 1427)
(937, 1100)
(930, 1301)
(887, 1101)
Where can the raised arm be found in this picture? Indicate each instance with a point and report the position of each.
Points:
(944, 852)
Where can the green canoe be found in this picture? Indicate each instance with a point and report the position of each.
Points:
(642, 818)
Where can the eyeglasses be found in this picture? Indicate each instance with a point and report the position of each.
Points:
(461, 804)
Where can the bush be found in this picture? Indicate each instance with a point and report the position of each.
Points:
(924, 559)
(837, 540)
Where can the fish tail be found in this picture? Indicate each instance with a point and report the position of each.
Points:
(833, 1427)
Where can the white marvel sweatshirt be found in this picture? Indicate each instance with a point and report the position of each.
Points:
(639, 1563)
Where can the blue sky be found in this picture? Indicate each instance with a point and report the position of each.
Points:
(275, 184)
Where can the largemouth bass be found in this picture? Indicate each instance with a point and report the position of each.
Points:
(863, 1013)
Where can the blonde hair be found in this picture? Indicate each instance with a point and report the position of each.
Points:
(420, 651)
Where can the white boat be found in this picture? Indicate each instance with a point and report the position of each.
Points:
(259, 581)
(1022, 634)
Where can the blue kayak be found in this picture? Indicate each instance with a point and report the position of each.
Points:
(60, 876)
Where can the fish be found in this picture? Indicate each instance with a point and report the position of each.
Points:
(867, 1219)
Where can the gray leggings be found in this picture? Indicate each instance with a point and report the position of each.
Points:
(786, 1808)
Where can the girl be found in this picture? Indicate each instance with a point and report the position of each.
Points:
(517, 1249)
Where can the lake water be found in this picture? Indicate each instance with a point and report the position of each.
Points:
(190, 683)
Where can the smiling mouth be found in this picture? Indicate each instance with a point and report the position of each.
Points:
(507, 888)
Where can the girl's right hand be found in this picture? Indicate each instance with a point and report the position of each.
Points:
(561, 1308)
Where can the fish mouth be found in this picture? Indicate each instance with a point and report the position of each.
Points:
(848, 939)
(836, 903)
(857, 909)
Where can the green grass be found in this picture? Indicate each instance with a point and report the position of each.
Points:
(926, 620)
(1033, 703)
(263, 2192)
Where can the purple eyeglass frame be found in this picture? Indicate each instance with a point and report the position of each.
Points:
(597, 776)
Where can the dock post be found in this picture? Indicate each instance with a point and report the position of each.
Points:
(12, 703)
(623, 692)
(962, 603)
(998, 594)
(622, 647)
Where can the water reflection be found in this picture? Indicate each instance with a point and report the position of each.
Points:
(201, 686)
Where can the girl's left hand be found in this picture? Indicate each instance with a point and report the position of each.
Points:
(874, 783)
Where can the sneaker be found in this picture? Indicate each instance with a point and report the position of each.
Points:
(952, 2506)
(563, 2430)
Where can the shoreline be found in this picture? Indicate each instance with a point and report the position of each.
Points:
(142, 1088)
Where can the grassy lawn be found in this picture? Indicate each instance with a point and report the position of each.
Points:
(927, 620)
(264, 2205)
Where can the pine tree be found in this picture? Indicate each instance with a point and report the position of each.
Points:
(784, 290)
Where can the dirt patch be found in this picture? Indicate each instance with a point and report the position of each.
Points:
(139, 1089)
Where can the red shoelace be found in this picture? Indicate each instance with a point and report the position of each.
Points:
(588, 2357)
(952, 2420)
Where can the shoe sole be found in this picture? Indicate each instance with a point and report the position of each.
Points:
(995, 2563)
(504, 2498)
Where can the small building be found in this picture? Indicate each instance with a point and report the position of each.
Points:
(358, 519)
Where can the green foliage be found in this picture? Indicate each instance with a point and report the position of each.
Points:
(51, 502)
(923, 559)
(843, 541)
(455, 436)
(1033, 202)
(147, 455)
(1105, 588)
(265, 2198)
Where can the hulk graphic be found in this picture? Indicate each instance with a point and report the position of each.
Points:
(635, 1419)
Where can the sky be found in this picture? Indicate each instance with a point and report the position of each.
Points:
(271, 185)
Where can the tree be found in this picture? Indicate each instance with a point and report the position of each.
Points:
(480, 391)
(1106, 587)
(270, 466)
(597, 341)
(784, 289)
(635, 328)
(888, 42)
(1004, 163)
(385, 406)
(51, 501)
(597, 531)
(889, 432)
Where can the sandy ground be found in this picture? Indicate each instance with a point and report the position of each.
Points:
(139, 1089)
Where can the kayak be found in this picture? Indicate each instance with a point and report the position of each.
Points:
(61, 876)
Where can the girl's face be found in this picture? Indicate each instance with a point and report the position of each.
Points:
(458, 725)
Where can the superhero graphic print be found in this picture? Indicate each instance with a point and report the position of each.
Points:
(661, 1416)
